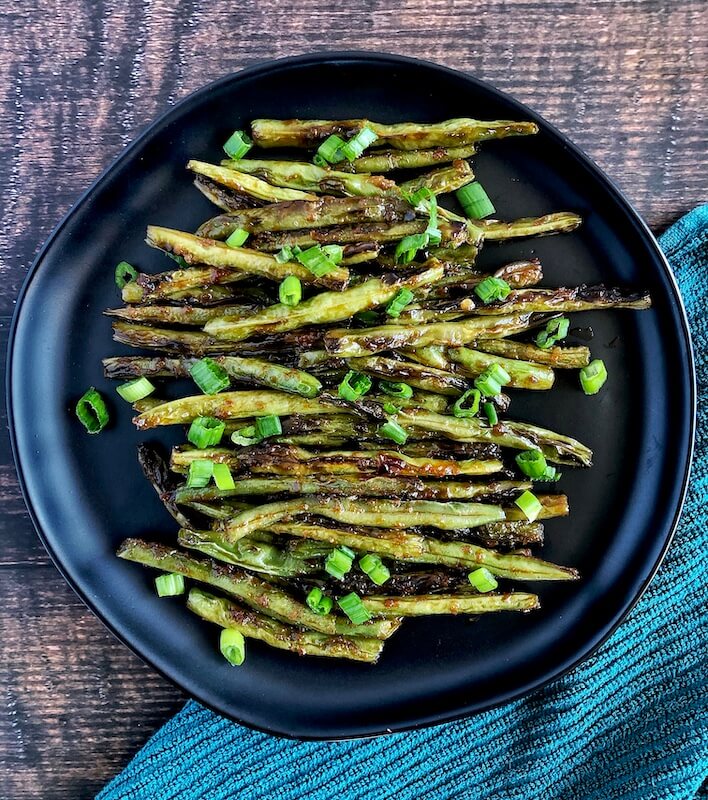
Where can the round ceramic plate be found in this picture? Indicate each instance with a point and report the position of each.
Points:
(86, 493)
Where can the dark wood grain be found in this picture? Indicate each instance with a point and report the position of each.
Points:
(625, 80)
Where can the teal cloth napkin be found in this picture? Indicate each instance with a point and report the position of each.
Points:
(630, 722)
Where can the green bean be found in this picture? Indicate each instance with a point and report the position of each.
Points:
(180, 315)
(443, 180)
(247, 184)
(559, 222)
(389, 160)
(252, 370)
(243, 260)
(424, 605)
(228, 614)
(349, 343)
(319, 213)
(419, 376)
(323, 308)
(380, 513)
(523, 374)
(559, 357)
(401, 136)
(579, 298)
(311, 178)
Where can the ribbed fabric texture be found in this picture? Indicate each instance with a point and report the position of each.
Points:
(630, 722)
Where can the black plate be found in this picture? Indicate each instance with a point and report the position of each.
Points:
(85, 493)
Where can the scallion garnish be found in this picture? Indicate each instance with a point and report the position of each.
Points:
(284, 255)
(555, 330)
(237, 238)
(290, 291)
(334, 252)
(492, 289)
(232, 646)
(396, 389)
(206, 432)
(209, 376)
(91, 411)
(377, 571)
(474, 201)
(352, 606)
(407, 248)
(392, 430)
(237, 145)
(482, 580)
(222, 477)
(316, 260)
(125, 273)
(490, 382)
(468, 404)
(318, 601)
(593, 377)
(354, 385)
(200, 473)
(491, 413)
(178, 260)
(246, 436)
(169, 585)
(339, 562)
(135, 390)
(268, 426)
(530, 505)
(330, 151)
(399, 302)
(354, 147)
(532, 463)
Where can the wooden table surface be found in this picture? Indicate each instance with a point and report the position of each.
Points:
(625, 80)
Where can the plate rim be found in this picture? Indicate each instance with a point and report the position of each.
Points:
(362, 56)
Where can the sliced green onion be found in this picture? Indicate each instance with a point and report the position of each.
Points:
(367, 317)
(468, 404)
(169, 585)
(348, 551)
(354, 147)
(232, 646)
(209, 376)
(135, 390)
(377, 571)
(245, 437)
(125, 273)
(339, 562)
(491, 413)
(530, 505)
(354, 385)
(334, 252)
(91, 411)
(206, 432)
(330, 151)
(407, 248)
(555, 330)
(237, 238)
(396, 389)
(268, 426)
(237, 145)
(390, 408)
(418, 198)
(475, 201)
(532, 463)
(432, 232)
(223, 477)
(593, 377)
(290, 291)
(483, 580)
(491, 289)
(399, 302)
(318, 601)
(551, 475)
(200, 473)
(392, 430)
(178, 259)
(352, 606)
(284, 255)
(490, 382)
(316, 260)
